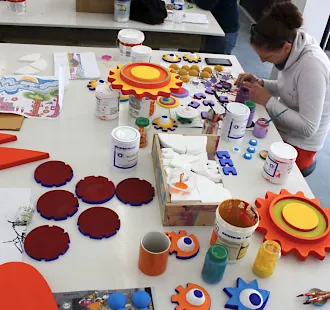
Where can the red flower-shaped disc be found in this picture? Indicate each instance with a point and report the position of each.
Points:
(135, 192)
(53, 173)
(98, 222)
(46, 242)
(57, 205)
(95, 190)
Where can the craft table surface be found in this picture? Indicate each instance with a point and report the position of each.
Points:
(62, 13)
(80, 139)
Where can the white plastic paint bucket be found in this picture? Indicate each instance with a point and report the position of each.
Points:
(107, 102)
(124, 148)
(128, 38)
(235, 121)
(141, 53)
(235, 223)
(144, 107)
(279, 162)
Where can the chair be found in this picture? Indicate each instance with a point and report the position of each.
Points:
(309, 170)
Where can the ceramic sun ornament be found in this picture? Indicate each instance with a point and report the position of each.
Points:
(192, 57)
(299, 224)
(144, 80)
(165, 123)
(168, 103)
(171, 58)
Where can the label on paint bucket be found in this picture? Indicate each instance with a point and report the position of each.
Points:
(125, 157)
(237, 129)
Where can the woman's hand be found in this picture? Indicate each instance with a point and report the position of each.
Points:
(258, 94)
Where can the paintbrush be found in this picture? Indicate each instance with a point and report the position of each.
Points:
(317, 299)
(276, 116)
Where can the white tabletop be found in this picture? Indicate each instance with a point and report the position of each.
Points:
(62, 13)
(80, 139)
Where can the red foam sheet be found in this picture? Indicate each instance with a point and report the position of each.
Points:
(46, 243)
(135, 192)
(53, 173)
(4, 138)
(98, 222)
(57, 205)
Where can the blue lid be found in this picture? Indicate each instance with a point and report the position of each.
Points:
(251, 149)
(141, 299)
(253, 142)
(247, 156)
(117, 301)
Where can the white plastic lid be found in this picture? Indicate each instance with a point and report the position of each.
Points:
(105, 91)
(131, 36)
(141, 49)
(238, 108)
(284, 150)
(125, 134)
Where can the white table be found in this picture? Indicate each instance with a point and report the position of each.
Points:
(80, 139)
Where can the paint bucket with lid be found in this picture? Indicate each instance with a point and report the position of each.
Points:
(107, 102)
(279, 162)
(141, 53)
(235, 121)
(124, 148)
(144, 107)
(235, 223)
(128, 38)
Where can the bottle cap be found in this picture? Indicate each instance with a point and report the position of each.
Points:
(218, 253)
(250, 104)
(142, 122)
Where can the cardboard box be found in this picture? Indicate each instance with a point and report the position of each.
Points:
(95, 6)
(177, 214)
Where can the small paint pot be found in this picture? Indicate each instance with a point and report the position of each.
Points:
(124, 148)
(260, 129)
(279, 162)
(235, 223)
(320, 303)
(141, 53)
(144, 107)
(107, 102)
(154, 252)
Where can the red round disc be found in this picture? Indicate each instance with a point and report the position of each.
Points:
(95, 190)
(135, 192)
(46, 242)
(57, 205)
(98, 222)
(53, 173)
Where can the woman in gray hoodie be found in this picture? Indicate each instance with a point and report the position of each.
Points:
(303, 84)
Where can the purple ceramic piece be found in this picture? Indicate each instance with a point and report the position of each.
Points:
(224, 99)
(208, 103)
(204, 115)
(207, 83)
(195, 82)
(227, 85)
(210, 91)
(194, 104)
(213, 80)
(218, 86)
(199, 96)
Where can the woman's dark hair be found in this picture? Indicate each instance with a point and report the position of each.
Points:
(277, 26)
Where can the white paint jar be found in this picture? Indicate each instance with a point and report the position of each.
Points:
(127, 39)
(107, 102)
(124, 148)
(234, 123)
(236, 238)
(144, 107)
(279, 162)
(141, 53)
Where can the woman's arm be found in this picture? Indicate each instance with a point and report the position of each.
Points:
(207, 4)
(271, 86)
(313, 81)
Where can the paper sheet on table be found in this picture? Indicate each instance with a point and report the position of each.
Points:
(77, 66)
(11, 199)
(194, 18)
(31, 96)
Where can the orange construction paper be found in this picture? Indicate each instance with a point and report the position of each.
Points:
(24, 288)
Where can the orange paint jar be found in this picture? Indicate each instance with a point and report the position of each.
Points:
(142, 124)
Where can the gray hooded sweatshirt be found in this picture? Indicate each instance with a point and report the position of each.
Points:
(303, 86)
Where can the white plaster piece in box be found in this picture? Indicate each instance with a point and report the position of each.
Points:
(195, 144)
(40, 64)
(30, 58)
(179, 163)
(203, 158)
(174, 141)
(27, 70)
(169, 155)
(192, 197)
(199, 168)
(215, 177)
(167, 162)
(211, 164)
(188, 158)
(211, 192)
(167, 150)
(168, 170)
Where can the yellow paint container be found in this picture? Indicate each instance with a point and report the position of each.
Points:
(265, 262)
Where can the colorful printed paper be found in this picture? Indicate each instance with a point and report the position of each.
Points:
(31, 96)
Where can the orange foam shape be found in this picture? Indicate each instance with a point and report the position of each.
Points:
(4, 138)
(10, 157)
(24, 288)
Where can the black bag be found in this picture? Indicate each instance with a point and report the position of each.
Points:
(151, 12)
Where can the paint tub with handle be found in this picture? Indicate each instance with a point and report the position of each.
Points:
(279, 162)
(235, 223)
